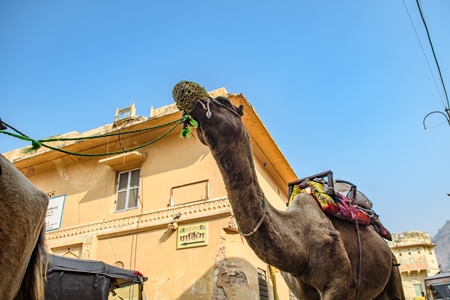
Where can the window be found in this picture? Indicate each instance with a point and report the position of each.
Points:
(411, 261)
(128, 190)
(418, 289)
(263, 287)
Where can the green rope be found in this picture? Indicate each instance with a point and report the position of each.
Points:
(186, 120)
(179, 121)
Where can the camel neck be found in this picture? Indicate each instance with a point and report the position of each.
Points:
(236, 165)
(235, 161)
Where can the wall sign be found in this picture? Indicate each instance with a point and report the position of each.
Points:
(192, 235)
(437, 280)
(54, 213)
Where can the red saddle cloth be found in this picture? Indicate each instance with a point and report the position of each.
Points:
(342, 208)
(350, 212)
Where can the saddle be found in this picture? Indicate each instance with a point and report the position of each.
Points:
(341, 200)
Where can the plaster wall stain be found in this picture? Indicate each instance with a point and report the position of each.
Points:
(229, 283)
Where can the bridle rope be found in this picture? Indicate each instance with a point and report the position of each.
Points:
(208, 110)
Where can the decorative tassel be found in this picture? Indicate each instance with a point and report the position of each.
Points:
(188, 123)
(35, 145)
(193, 122)
(186, 133)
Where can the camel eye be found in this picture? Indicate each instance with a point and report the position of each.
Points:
(224, 101)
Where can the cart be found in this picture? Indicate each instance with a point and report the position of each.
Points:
(74, 279)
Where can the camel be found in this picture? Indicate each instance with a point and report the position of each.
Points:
(22, 235)
(318, 256)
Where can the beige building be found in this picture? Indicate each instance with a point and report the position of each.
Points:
(161, 209)
(415, 254)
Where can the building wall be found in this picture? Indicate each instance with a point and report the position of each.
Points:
(141, 238)
(415, 253)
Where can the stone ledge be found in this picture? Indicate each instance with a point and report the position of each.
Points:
(202, 210)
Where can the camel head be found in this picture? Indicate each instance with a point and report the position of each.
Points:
(219, 121)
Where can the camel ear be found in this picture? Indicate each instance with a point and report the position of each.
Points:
(240, 110)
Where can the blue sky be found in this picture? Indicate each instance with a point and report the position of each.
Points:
(340, 85)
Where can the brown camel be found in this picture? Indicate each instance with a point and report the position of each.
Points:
(318, 255)
(22, 235)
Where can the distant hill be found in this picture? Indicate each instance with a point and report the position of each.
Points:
(442, 239)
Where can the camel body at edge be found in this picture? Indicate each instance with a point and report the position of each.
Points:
(22, 235)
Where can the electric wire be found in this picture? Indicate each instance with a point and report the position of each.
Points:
(424, 54)
(432, 49)
(447, 104)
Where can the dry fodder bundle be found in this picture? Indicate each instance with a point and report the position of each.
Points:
(186, 93)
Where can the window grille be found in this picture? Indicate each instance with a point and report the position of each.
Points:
(128, 190)
(262, 283)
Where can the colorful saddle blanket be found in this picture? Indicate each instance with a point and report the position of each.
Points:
(338, 205)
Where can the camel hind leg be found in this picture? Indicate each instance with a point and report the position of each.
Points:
(32, 287)
(337, 290)
(394, 288)
(300, 289)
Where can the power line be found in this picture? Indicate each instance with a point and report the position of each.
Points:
(424, 54)
(432, 49)
(446, 105)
